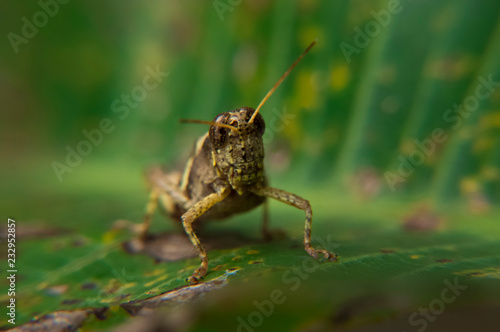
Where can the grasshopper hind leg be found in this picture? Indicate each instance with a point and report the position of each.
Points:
(143, 228)
(164, 190)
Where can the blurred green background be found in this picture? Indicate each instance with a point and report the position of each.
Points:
(387, 126)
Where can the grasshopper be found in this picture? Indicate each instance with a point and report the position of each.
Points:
(224, 176)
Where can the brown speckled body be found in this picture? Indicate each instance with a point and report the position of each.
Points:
(237, 165)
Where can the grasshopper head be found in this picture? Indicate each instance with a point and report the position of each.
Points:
(239, 153)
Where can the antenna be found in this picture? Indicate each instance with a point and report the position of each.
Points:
(282, 78)
(211, 123)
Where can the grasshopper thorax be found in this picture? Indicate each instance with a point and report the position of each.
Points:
(238, 153)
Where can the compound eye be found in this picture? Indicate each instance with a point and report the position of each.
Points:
(218, 135)
(259, 124)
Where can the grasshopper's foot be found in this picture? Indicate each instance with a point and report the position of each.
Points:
(331, 257)
(141, 232)
(193, 280)
(138, 242)
(134, 246)
(197, 275)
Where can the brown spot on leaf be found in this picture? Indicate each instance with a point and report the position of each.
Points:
(218, 268)
(122, 296)
(486, 272)
(56, 290)
(387, 251)
(444, 260)
(71, 301)
(100, 313)
(81, 241)
(112, 286)
(475, 274)
(88, 286)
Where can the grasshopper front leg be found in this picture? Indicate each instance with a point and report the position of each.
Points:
(188, 218)
(300, 203)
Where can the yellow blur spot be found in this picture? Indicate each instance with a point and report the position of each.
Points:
(340, 76)
(157, 280)
(128, 285)
(483, 144)
(415, 256)
(490, 173)
(108, 300)
(407, 146)
(293, 132)
(469, 186)
(236, 258)
(109, 237)
(306, 89)
(114, 308)
(155, 272)
(309, 34)
(43, 285)
(252, 252)
(155, 290)
(491, 120)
